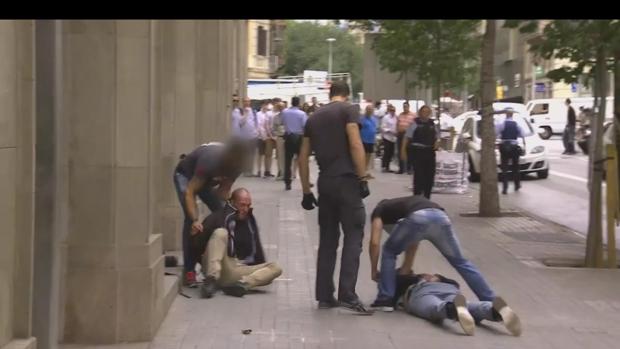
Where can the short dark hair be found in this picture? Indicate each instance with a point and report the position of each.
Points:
(377, 104)
(295, 101)
(339, 88)
(568, 100)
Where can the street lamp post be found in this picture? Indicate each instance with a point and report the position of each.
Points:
(329, 62)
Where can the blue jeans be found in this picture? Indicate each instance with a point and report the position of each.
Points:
(429, 300)
(432, 225)
(209, 197)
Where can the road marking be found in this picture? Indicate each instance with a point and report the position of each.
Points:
(568, 176)
(575, 178)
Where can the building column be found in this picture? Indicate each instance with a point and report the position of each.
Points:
(114, 285)
(17, 141)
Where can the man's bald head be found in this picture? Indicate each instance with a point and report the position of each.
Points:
(242, 201)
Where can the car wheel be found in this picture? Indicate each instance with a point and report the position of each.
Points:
(543, 174)
(474, 176)
(546, 133)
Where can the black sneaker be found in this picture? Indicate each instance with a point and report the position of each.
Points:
(383, 305)
(332, 303)
(238, 289)
(288, 187)
(356, 306)
(208, 287)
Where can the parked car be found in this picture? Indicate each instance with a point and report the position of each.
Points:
(535, 158)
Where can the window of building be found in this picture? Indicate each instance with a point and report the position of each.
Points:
(261, 47)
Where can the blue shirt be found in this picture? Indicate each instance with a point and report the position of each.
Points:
(294, 120)
(499, 129)
(369, 129)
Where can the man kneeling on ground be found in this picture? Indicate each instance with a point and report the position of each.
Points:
(435, 298)
(231, 250)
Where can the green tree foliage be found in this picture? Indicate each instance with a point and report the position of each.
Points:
(305, 47)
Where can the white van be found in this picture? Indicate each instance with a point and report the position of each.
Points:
(549, 115)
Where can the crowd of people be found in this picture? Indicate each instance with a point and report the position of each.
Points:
(227, 242)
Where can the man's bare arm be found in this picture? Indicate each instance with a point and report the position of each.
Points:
(304, 170)
(374, 246)
(194, 185)
(357, 149)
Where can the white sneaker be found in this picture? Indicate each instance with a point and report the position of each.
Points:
(465, 319)
(509, 317)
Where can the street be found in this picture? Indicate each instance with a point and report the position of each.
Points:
(561, 198)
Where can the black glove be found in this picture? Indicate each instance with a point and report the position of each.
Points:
(364, 191)
(309, 202)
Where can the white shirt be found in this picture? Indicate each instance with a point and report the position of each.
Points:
(388, 127)
(264, 124)
(236, 119)
(248, 124)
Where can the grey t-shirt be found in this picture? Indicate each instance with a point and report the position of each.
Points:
(204, 162)
(328, 137)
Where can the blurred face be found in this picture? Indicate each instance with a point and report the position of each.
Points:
(246, 102)
(235, 102)
(314, 100)
(243, 204)
(391, 110)
(369, 110)
(406, 108)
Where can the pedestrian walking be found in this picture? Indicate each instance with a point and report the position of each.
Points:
(294, 120)
(404, 121)
(569, 131)
(508, 132)
(388, 137)
(422, 141)
(333, 133)
(369, 135)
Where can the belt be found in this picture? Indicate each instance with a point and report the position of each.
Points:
(420, 145)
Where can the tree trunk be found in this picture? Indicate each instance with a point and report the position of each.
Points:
(489, 198)
(594, 243)
(617, 105)
(406, 85)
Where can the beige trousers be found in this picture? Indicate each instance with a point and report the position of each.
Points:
(228, 270)
(280, 154)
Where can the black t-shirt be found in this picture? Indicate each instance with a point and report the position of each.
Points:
(391, 210)
(328, 137)
(205, 162)
(571, 118)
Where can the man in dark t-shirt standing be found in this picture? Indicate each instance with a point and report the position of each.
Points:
(208, 172)
(416, 218)
(333, 133)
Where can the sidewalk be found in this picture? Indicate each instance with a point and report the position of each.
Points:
(559, 307)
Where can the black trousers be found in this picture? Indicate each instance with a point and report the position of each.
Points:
(510, 153)
(423, 160)
(388, 154)
(292, 145)
(340, 204)
(399, 145)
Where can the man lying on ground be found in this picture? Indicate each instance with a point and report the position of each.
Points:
(435, 298)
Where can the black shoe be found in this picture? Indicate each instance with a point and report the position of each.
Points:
(268, 175)
(505, 191)
(311, 185)
(288, 187)
(356, 306)
(517, 187)
(400, 172)
(238, 289)
(208, 288)
(383, 305)
(332, 303)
